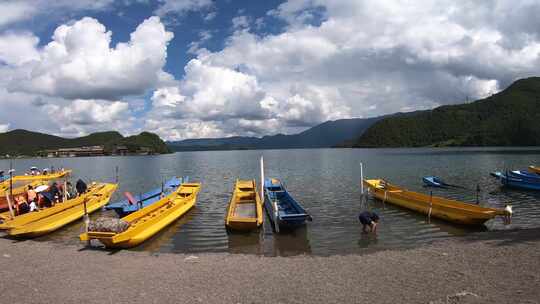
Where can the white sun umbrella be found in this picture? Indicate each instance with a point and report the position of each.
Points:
(41, 188)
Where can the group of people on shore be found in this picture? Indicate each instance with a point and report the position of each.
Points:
(47, 196)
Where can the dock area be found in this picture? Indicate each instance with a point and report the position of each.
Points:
(487, 267)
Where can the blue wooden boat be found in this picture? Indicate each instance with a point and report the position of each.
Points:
(290, 214)
(433, 181)
(525, 174)
(518, 179)
(134, 203)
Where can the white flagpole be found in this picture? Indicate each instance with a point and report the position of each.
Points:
(262, 179)
(362, 178)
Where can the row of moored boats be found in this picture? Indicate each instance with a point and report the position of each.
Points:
(142, 216)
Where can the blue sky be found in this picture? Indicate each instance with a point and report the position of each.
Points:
(206, 68)
(124, 16)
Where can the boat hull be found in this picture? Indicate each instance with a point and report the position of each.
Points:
(431, 181)
(33, 178)
(124, 208)
(440, 208)
(517, 181)
(289, 223)
(291, 214)
(48, 224)
(148, 221)
(244, 212)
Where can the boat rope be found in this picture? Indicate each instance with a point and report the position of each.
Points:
(385, 197)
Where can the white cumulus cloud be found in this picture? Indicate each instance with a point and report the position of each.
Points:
(80, 63)
(338, 59)
(181, 6)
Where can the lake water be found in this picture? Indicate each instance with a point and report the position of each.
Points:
(325, 181)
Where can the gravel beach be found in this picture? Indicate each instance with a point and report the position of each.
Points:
(489, 267)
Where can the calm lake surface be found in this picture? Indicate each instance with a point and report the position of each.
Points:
(325, 181)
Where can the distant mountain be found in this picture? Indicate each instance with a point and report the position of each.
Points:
(23, 142)
(508, 118)
(325, 135)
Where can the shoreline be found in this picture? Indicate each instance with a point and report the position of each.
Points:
(494, 267)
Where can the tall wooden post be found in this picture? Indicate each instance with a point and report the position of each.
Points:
(9, 195)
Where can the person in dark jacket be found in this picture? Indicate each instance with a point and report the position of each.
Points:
(81, 187)
(369, 219)
(55, 192)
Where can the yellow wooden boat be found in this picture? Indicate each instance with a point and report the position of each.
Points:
(438, 207)
(46, 220)
(245, 209)
(19, 188)
(20, 184)
(32, 178)
(534, 169)
(149, 220)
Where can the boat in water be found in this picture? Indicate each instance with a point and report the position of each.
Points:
(19, 188)
(134, 203)
(534, 169)
(518, 179)
(245, 209)
(433, 181)
(19, 185)
(146, 222)
(437, 207)
(27, 179)
(37, 223)
(283, 210)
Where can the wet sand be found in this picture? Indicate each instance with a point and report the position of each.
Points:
(489, 267)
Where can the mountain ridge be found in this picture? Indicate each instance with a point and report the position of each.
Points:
(325, 135)
(508, 118)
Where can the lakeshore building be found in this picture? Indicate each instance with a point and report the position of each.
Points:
(74, 152)
(95, 151)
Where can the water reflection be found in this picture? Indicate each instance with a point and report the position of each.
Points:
(246, 242)
(287, 243)
(164, 236)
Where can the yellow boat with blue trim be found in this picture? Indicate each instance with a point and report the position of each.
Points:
(437, 207)
(148, 221)
(245, 209)
(37, 223)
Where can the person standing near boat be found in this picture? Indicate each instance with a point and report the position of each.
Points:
(81, 187)
(369, 219)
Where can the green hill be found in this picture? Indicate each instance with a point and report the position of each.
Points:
(23, 142)
(145, 139)
(509, 118)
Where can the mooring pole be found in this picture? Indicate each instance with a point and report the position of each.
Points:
(86, 219)
(262, 179)
(361, 179)
(477, 194)
(9, 195)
